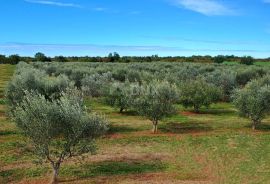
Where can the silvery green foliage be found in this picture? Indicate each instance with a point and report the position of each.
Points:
(58, 129)
(198, 93)
(147, 72)
(77, 75)
(253, 101)
(134, 76)
(119, 74)
(246, 75)
(25, 78)
(28, 78)
(95, 85)
(156, 101)
(226, 81)
(265, 80)
(122, 95)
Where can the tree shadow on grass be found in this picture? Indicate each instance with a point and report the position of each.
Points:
(4, 133)
(260, 127)
(220, 112)
(130, 113)
(184, 128)
(121, 129)
(263, 127)
(112, 168)
(15, 175)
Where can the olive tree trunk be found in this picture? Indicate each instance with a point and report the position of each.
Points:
(254, 124)
(196, 109)
(121, 110)
(155, 127)
(56, 168)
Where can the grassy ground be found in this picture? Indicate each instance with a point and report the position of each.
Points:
(256, 63)
(215, 146)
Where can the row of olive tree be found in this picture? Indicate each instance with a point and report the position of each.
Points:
(108, 80)
(154, 100)
(87, 75)
(157, 99)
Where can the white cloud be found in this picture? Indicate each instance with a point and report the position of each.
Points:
(100, 9)
(266, 1)
(206, 7)
(54, 3)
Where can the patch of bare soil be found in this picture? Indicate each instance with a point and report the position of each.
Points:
(121, 157)
(17, 166)
(2, 114)
(208, 167)
(36, 181)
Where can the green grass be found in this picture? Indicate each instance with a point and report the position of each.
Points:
(231, 63)
(215, 146)
(262, 63)
(17, 175)
(256, 63)
(6, 72)
(110, 168)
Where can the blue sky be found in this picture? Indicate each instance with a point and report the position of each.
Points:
(135, 27)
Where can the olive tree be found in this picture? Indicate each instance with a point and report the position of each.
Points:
(122, 95)
(247, 60)
(14, 59)
(246, 75)
(198, 93)
(219, 59)
(40, 57)
(58, 129)
(95, 85)
(30, 79)
(225, 80)
(156, 101)
(253, 101)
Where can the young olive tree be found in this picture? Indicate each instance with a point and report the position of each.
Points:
(198, 93)
(121, 95)
(253, 101)
(58, 129)
(156, 101)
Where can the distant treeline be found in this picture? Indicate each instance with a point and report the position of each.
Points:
(115, 57)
